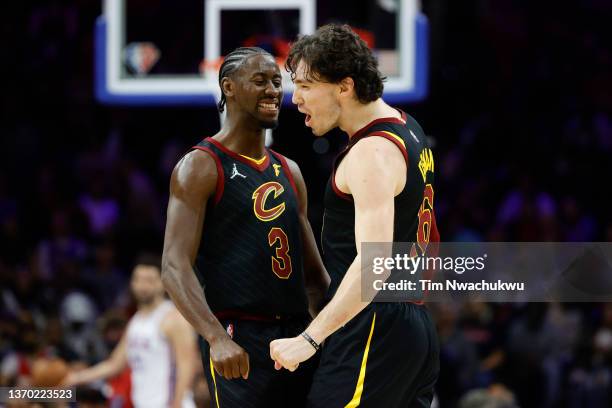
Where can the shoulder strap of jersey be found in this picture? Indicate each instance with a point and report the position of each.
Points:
(383, 127)
(283, 160)
(380, 121)
(207, 147)
(394, 138)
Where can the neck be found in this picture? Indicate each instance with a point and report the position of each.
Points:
(148, 308)
(357, 115)
(241, 135)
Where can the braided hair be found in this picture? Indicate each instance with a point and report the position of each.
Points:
(232, 62)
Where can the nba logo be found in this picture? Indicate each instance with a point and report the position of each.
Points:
(140, 57)
(230, 330)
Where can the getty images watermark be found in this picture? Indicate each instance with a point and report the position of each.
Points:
(458, 265)
(500, 271)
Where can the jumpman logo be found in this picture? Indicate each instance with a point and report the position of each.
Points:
(235, 172)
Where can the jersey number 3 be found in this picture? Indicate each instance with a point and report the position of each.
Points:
(281, 262)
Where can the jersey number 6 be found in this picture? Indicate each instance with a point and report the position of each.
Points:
(425, 218)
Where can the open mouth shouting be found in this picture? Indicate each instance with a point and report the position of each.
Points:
(307, 119)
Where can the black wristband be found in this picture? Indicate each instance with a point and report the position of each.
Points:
(311, 341)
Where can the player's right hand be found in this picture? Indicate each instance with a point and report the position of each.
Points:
(229, 359)
(70, 380)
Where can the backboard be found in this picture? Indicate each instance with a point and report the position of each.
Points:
(162, 52)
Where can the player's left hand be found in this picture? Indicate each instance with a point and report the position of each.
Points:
(289, 353)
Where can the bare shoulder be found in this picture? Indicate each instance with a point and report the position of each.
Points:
(196, 164)
(196, 170)
(375, 147)
(373, 159)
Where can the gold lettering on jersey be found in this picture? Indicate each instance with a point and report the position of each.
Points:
(277, 168)
(426, 163)
(260, 196)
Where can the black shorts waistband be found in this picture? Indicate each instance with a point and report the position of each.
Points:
(260, 317)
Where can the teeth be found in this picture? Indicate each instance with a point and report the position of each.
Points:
(268, 105)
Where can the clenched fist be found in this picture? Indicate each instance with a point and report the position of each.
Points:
(289, 353)
(229, 359)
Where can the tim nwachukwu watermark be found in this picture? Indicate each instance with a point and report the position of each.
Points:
(499, 271)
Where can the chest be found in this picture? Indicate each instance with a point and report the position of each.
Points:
(145, 337)
(263, 195)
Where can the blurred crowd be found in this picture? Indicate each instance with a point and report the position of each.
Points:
(519, 111)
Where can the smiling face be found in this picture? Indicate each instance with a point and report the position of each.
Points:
(256, 89)
(317, 99)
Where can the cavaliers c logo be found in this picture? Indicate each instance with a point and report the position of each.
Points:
(259, 201)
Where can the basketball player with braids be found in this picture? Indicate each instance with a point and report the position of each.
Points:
(380, 190)
(240, 260)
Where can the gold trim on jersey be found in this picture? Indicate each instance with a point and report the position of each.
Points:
(212, 373)
(256, 161)
(359, 388)
(393, 135)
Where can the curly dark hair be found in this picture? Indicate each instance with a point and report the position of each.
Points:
(335, 52)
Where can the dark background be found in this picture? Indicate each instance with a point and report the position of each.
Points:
(519, 111)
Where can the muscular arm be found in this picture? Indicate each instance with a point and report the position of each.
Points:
(182, 339)
(374, 173)
(193, 182)
(104, 369)
(316, 277)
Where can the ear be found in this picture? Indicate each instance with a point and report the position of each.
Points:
(347, 87)
(227, 86)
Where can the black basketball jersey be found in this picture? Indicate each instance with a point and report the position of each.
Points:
(414, 219)
(250, 256)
